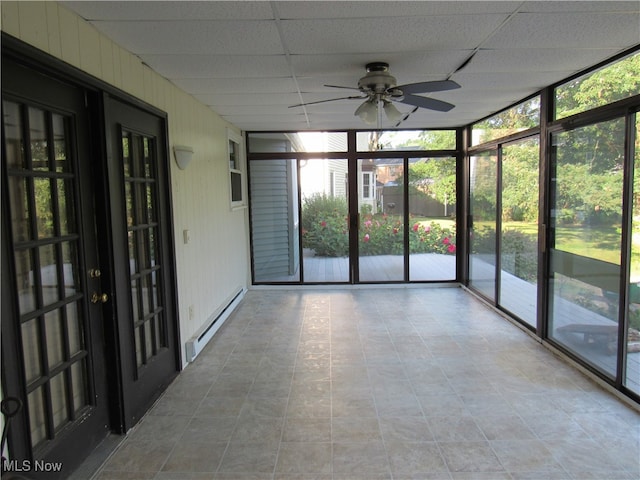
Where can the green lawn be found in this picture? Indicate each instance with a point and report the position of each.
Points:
(601, 242)
(443, 222)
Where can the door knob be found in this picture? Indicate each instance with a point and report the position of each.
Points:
(99, 298)
(95, 273)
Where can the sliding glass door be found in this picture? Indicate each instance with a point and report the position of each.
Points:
(519, 191)
(587, 180)
(632, 359)
(275, 221)
(324, 220)
(482, 229)
(401, 226)
(381, 252)
(432, 218)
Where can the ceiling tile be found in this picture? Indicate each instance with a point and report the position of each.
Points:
(575, 7)
(407, 67)
(386, 9)
(252, 37)
(252, 60)
(249, 99)
(172, 10)
(265, 85)
(540, 59)
(386, 35)
(218, 66)
(568, 30)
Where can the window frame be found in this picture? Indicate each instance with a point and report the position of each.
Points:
(236, 167)
(368, 186)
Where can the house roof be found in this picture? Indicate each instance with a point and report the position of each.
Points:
(251, 60)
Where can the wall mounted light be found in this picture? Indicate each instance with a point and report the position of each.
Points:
(183, 155)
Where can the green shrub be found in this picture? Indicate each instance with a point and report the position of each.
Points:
(325, 230)
(519, 251)
(384, 235)
(325, 226)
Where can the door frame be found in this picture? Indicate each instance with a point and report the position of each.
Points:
(353, 156)
(95, 92)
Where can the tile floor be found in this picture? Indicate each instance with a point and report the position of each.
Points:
(378, 384)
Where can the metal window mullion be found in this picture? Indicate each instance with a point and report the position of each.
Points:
(300, 215)
(498, 245)
(405, 199)
(626, 245)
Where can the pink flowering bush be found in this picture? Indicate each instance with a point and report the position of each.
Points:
(325, 230)
(384, 235)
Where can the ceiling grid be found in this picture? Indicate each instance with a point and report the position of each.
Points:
(252, 60)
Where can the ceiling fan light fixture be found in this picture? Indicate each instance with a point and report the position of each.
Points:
(392, 113)
(368, 112)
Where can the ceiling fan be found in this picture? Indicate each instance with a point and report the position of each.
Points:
(379, 89)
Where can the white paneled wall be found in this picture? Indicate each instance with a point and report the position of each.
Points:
(214, 265)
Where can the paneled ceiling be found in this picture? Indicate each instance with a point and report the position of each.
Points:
(251, 60)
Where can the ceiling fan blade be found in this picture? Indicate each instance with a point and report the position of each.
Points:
(425, 87)
(340, 86)
(330, 100)
(424, 102)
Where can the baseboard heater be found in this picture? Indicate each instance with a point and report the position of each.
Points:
(196, 344)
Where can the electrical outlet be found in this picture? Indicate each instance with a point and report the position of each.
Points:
(191, 312)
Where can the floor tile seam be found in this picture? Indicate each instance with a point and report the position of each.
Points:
(556, 454)
(331, 366)
(237, 417)
(510, 471)
(286, 413)
(440, 443)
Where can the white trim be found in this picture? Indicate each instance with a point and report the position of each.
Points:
(239, 169)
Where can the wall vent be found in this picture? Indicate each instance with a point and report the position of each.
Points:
(196, 344)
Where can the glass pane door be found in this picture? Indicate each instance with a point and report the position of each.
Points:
(381, 231)
(325, 220)
(432, 224)
(48, 263)
(632, 377)
(275, 220)
(585, 241)
(519, 229)
(482, 229)
(139, 171)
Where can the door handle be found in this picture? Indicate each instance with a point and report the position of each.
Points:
(99, 298)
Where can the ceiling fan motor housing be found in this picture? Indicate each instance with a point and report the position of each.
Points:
(377, 80)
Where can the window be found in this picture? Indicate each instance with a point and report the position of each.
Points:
(376, 140)
(608, 84)
(367, 185)
(235, 169)
(516, 119)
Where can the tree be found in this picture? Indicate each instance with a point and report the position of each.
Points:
(609, 84)
(435, 177)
